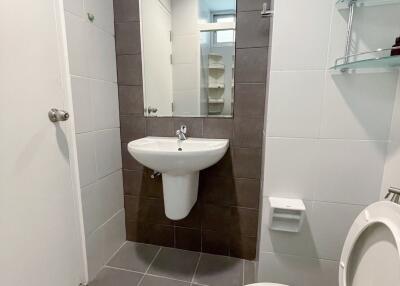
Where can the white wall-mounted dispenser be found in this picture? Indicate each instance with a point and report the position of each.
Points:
(286, 214)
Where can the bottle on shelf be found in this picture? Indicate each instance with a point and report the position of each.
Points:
(396, 52)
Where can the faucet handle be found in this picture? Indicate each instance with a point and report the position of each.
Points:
(183, 129)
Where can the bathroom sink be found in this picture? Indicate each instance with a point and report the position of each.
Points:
(172, 156)
(179, 161)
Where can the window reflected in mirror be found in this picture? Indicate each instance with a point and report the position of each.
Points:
(188, 54)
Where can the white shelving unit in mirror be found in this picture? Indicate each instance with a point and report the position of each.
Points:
(216, 83)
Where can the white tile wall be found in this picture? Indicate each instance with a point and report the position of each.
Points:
(301, 34)
(184, 15)
(329, 225)
(297, 270)
(101, 55)
(104, 242)
(95, 252)
(291, 93)
(185, 77)
(186, 102)
(105, 104)
(395, 129)
(104, 14)
(185, 57)
(358, 106)
(108, 151)
(327, 135)
(111, 192)
(391, 176)
(291, 169)
(83, 104)
(77, 43)
(91, 51)
(185, 49)
(350, 171)
(86, 157)
(114, 234)
(74, 6)
(96, 104)
(91, 204)
(101, 200)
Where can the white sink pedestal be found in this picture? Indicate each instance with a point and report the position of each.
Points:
(184, 187)
(179, 162)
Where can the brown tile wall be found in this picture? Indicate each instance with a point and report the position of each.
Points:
(225, 217)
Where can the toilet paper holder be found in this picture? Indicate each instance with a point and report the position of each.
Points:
(286, 214)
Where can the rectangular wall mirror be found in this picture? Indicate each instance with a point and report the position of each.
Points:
(188, 56)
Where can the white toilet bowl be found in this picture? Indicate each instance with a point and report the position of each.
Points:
(371, 252)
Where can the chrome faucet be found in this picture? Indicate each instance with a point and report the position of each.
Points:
(181, 133)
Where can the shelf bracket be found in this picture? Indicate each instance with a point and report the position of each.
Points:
(352, 6)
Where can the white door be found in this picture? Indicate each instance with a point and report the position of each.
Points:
(157, 52)
(40, 242)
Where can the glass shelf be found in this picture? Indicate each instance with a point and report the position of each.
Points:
(377, 59)
(344, 4)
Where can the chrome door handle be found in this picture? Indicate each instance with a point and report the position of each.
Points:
(151, 110)
(56, 115)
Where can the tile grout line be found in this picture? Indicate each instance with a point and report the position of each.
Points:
(148, 268)
(103, 225)
(97, 26)
(93, 78)
(174, 235)
(123, 269)
(115, 253)
(86, 132)
(243, 272)
(168, 278)
(195, 270)
(108, 260)
(147, 274)
(299, 256)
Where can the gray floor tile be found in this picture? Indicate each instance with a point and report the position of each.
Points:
(134, 256)
(249, 272)
(214, 270)
(113, 277)
(175, 263)
(158, 281)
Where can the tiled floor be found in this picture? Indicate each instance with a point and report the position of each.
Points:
(137, 264)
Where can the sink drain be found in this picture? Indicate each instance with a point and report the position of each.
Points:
(179, 149)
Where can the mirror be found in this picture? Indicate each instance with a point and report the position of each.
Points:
(188, 56)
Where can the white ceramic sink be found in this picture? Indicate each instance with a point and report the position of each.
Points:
(173, 156)
(180, 163)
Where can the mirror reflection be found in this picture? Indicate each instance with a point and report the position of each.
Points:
(188, 54)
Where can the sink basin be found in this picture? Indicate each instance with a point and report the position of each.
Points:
(180, 163)
(172, 156)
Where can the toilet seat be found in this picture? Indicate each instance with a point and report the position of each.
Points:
(384, 217)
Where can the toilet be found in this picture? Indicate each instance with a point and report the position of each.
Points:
(371, 252)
